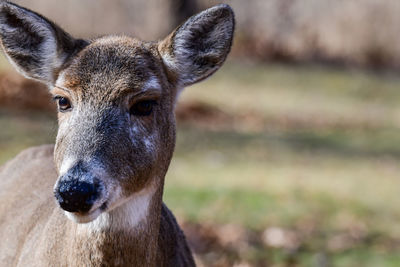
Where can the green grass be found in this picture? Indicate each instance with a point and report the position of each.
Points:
(312, 93)
(334, 178)
(20, 130)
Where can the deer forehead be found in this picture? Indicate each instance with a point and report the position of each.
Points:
(112, 65)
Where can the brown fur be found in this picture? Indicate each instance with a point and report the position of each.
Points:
(102, 145)
(42, 236)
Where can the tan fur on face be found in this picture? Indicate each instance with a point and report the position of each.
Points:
(102, 94)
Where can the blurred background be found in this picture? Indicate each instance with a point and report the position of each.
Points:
(289, 155)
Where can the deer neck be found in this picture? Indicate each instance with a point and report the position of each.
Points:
(125, 236)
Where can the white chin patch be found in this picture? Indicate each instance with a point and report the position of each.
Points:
(126, 214)
(83, 218)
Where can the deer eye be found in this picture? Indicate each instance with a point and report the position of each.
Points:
(63, 103)
(142, 108)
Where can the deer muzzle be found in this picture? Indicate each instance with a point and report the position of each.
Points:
(78, 190)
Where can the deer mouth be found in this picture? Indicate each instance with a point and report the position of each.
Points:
(86, 217)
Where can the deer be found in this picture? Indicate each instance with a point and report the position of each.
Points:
(95, 197)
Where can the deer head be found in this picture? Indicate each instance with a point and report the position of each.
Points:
(116, 98)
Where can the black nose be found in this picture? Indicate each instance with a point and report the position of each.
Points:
(77, 196)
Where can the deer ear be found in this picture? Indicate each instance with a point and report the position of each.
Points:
(198, 47)
(34, 45)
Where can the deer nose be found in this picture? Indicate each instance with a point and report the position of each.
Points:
(77, 196)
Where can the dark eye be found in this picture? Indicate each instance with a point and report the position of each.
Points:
(63, 103)
(143, 108)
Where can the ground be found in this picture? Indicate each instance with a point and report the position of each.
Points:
(277, 165)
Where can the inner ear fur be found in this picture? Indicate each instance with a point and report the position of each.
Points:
(199, 47)
(37, 47)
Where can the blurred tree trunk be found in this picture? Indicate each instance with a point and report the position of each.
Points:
(181, 10)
